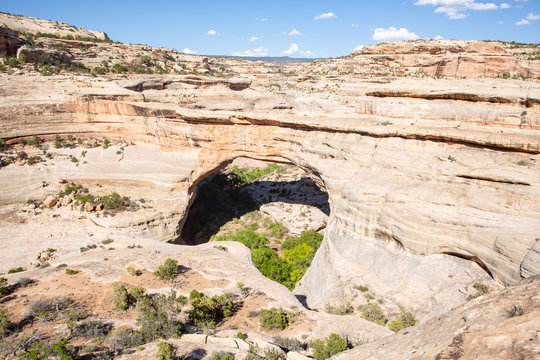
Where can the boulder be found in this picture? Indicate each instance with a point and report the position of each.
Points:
(66, 200)
(50, 201)
(89, 206)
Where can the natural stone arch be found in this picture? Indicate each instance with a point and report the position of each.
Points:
(386, 186)
(192, 191)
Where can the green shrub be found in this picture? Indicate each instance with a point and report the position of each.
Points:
(99, 70)
(133, 272)
(246, 176)
(157, 318)
(361, 288)
(249, 238)
(15, 270)
(222, 356)
(122, 299)
(22, 58)
(309, 237)
(124, 338)
(12, 62)
(71, 271)
(329, 346)
(4, 287)
(4, 322)
(241, 335)
(344, 309)
(481, 289)
(209, 311)
(165, 351)
(274, 318)
(167, 271)
(396, 325)
(373, 312)
(115, 202)
(119, 69)
(41, 350)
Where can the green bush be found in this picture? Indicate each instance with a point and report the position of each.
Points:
(373, 312)
(165, 351)
(119, 69)
(12, 62)
(361, 288)
(246, 176)
(481, 289)
(274, 318)
(344, 309)
(115, 202)
(249, 238)
(41, 350)
(71, 271)
(167, 271)
(157, 318)
(396, 325)
(241, 335)
(122, 298)
(329, 346)
(133, 272)
(4, 322)
(15, 270)
(222, 356)
(209, 311)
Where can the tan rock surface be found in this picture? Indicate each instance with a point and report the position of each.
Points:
(502, 325)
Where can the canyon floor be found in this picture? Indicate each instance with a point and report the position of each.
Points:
(392, 194)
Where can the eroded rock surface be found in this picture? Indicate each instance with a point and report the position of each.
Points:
(433, 184)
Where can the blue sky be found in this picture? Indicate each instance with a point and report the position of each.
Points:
(298, 28)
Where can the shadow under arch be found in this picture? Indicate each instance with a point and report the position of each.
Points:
(214, 203)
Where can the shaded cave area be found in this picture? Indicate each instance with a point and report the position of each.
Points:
(276, 201)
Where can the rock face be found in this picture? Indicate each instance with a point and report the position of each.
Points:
(9, 42)
(497, 326)
(433, 184)
(33, 25)
(442, 58)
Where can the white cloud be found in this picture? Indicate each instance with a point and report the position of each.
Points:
(295, 50)
(505, 6)
(530, 17)
(188, 51)
(260, 51)
(261, 19)
(500, 22)
(211, 32)
(253, 38)
(295, 32)
(392, 34)
(355, 25)
(455, 9)
(328, 15)
(438, 37)
(358, 48)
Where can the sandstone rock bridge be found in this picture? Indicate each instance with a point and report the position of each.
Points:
(411, 177)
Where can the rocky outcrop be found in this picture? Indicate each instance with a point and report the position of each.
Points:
(440, 58)
(33, 25)
(441, 192)
(9, 42)
(502, 325)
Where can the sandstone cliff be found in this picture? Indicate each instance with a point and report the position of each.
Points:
(433, 183)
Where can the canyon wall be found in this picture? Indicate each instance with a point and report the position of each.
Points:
(427, 195)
